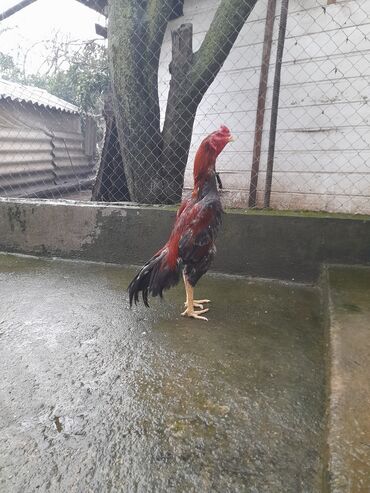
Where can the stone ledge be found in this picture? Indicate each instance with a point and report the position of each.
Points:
(267, 245)
(347, 292)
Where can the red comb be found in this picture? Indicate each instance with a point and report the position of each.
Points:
(224, 130)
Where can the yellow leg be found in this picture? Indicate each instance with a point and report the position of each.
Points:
(190, 312)
(196, 303)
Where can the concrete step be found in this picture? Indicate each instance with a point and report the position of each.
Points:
(347, 292)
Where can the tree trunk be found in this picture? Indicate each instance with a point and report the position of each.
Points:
(155, 161)
(134, 49)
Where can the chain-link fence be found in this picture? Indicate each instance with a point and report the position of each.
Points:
(121, 119)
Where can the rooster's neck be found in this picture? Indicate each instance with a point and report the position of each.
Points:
(204, 169)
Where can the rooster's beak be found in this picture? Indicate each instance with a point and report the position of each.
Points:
(231, 139)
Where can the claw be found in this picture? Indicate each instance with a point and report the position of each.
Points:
(194, 314)
(198, 303)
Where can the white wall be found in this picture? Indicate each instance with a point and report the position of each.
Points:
(323, 138)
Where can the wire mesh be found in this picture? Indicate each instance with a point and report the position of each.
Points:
(120, 120)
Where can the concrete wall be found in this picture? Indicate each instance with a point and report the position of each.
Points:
(290, 246)
(323, 138)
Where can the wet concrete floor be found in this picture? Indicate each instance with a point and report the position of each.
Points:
(96, 397)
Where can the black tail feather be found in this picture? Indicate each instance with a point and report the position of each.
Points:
(153, 278)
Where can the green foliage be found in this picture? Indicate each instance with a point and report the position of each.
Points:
(81, 79)
(8, 68)
(85, 80)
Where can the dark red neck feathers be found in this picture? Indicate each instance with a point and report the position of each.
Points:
(204, 164)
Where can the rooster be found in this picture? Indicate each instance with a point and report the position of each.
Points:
(191, 246)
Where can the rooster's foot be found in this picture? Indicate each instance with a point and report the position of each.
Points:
(194, 314)
(198, 303)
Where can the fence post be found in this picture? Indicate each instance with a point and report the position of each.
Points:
(275, 101)
(261, 103)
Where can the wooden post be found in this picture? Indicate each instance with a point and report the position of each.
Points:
(275, 102)
(267, 44)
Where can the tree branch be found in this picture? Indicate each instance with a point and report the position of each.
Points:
(225, 27)
(97, 5)
(182, 54)
(15, 9)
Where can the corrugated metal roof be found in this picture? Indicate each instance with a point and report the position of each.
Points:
(34, 95)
